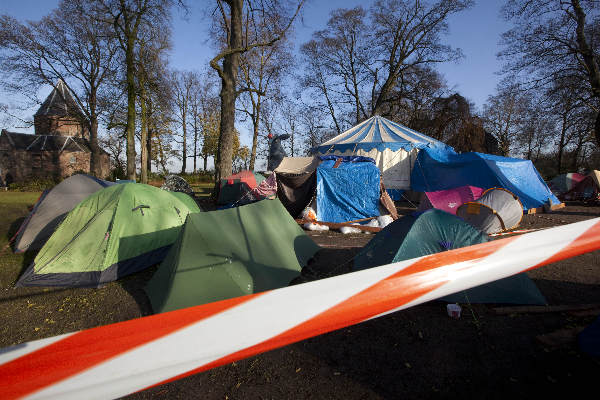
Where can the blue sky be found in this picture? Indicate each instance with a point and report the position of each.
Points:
(476, 31)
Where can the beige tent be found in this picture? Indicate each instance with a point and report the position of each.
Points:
(298, 165)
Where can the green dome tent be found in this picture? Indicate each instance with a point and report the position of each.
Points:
(229, 253)
(434, 231)
(114, 232)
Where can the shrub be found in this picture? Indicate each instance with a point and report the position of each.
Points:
(34, 185)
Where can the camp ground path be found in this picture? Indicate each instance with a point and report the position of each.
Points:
(416, 353)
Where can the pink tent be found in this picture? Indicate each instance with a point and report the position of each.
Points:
(449, 200)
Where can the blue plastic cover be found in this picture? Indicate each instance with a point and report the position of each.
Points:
(437, 170)
(395, 194)
(348, 192)
(347, 158)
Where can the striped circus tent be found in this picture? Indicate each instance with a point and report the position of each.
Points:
(394, 148)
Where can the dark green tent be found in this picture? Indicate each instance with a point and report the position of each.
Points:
(229, 253)
(114, 232)
(434, 231)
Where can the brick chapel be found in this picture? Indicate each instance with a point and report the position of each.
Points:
(59, 147)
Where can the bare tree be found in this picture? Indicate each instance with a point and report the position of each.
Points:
(503, 114)
(185, 85)
(234, 45)
(261, 71)
(127, 18)
(316, 80)
(150, 68)
(366, 64)
(70, 45)
(554, 40)
(408, 34)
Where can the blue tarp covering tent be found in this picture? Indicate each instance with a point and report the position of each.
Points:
(349, 191)
(394, 148)
(436, 170)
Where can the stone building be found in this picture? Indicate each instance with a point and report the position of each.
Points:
(59, 147)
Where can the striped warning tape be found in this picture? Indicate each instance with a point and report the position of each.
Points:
(114, 360)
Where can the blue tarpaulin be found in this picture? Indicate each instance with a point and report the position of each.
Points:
(348, 192)
(435, 170)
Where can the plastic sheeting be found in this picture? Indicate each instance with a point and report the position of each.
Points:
(348, 192)
(437, 170)
(449, 200)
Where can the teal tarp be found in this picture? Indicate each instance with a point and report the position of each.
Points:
(434, 231)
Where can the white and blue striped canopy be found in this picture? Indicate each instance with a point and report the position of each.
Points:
(378, 133)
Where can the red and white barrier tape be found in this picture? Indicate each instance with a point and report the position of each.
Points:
(114, 360)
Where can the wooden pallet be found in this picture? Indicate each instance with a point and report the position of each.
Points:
(543, 209)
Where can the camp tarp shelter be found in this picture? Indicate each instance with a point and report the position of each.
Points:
(393, 146)
(434, 231)
(449, 200)
(297, 182)
(235, 187)
(435, 170)
(229, 253)
(298, 165)
(497, 210)
(588, 189)
(564, 182)
(348, 188)
(116, 231)
(52, 207)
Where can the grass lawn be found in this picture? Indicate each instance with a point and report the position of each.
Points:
(13, 210)
(203, 189)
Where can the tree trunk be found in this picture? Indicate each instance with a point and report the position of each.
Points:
(151, 127)
(195, 141)
(561, 143)
(255, 123)
(95, 162)
(149, 151)
(223, 165)
(205, 162)
(597, 129)
(129, 61)
(184, 150)
(143, 135)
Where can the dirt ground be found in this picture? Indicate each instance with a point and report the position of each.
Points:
(419, 353)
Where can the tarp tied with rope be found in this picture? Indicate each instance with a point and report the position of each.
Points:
(394, 148)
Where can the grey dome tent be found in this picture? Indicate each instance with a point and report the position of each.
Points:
(52, 207)
(497, 210)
